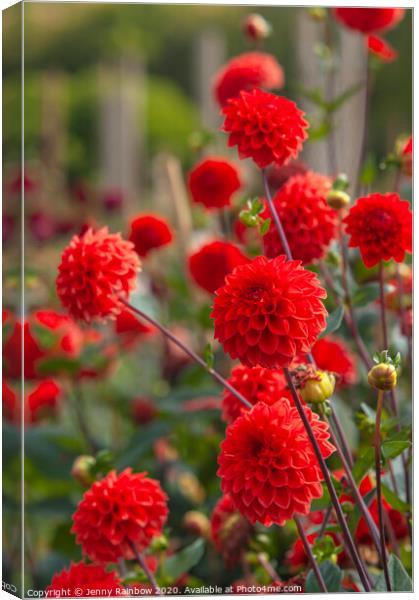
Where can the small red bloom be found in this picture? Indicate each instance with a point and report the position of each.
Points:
(269, 311)
(213, 182)
(97, 270)
(143, 410)
(246, 72)
(202, 403)
(267, 463)
(332, 354)
(308, 221)
(369, 20)
(380, 225)
(210, 265)
(12, 352)
(256, 385)
(149, 232)
(230, 531)
(130, 329)
(117, 511)
(84, 580)
(278, 175)
(265, 127)
(381, 49)
(41, 400)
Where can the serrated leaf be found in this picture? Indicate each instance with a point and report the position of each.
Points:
(332, 576)
(334, 321)
(399, 579)
(181, 562)
(394, 500)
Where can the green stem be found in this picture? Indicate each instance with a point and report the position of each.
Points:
(310, 555)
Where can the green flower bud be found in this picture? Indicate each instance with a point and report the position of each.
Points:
(82, 470)
(338, 199)
(383, 376)
(319, 388)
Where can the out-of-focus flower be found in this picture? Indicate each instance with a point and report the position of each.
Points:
(82, 470)
(84, 580)
(256, 385)
(118, 511)
(42, 226)
(8, 226)
(245, 73)
(308, 221)
(230, 531)
(381, 49)
(210, 265)
(149, 232)
(41, 400)
(97, 271)
(278, 175)
(196, 523)
(268, 312)
(202, 403)
(369, 20)
(333, 355)
(380, 225)
(401, 289)
(130, 329)
(267, 128)
(25, 181)
(213, 182)
(143, 410)
(113, 200)
(190, 487)
(164, 452)
(256, 28)
(267, 463)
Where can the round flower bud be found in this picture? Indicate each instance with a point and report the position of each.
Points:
(256, 28)
(158, 544)
(317, 389)
(82, 470)
(196, 523)
(383, 377)
(317, 13)
(338, 199)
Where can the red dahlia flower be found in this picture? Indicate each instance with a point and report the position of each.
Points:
(230, 531)
(143, 410)
(381, 49)
(97, 270)
(333, 355)
(265, 127)
(256, 385)
(268, 312)
(369, 20)
(41, 400)
(81, 580)
(213, 182)
(380, 225)
(118, 511)
(267, 463)
(149, 232)
(130, 329)
(308, 221)
(246, 72)
(210, 265)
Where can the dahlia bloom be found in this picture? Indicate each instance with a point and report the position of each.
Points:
(213, 182)
(369, 20)
(144, 410)
(264, 127)
(280, 174)
(130, 329)
(380, 225)
(210, 265)
(256, 385)
(267, 463)
(246, 72)
(149, 232)
(308, 221)
(41, 400)
(269, 311)
(97, 271)
(381, 49)
(230, 531)
(117, 511)
(333, 355)
(84, 580)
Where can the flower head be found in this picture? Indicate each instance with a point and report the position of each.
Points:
(210, 265)
(267, 463)
(118, 511)
(84, 580)
(269, 311)
(246, 72)
(230, 531)
(380, 225)
(97, 270)
(130, 329)
(255, 27)
(332, 354)
(149, 232)
(264, 127)
(213, 182)
(41, 400)
(381, 49)
(369, 20)
(256, 384)
(308, 221)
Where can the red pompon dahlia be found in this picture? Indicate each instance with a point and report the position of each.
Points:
(149, 232)
(213, 182)
(84, 580)
(230, 531)
(130, 329)
(380, 225)
(118, 511)
(97, 270)
(333, 355)
(246, 72)
(264, 127)
(369, 20)
(308, 221)
(256, 385)
(267, 463)
(381, 49)
(210, 265)
(268, 312)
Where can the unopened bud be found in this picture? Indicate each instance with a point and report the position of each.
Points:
(82, 470)
(159, 544)
(256, 28)
(314, 386)
(317, 13)
(196, 523)
(338, 199)
(383, 377)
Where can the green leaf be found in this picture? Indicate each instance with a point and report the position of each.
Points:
(391, 449)
(314, 95)
(363, 465)
(209, 356)
(58, 365)
(366, 294)
(184, 560)
(264, 228)
(394, 500)
(140, 443)
(334, 321)
(332, 576)
(399, 579)
(340, 100)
